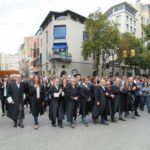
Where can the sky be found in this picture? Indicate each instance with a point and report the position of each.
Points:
(20, 18)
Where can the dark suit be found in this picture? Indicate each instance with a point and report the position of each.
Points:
(101, 98)
(84, 97)
(56, 106)
(16, 110)
(3, 97)
(71, 103)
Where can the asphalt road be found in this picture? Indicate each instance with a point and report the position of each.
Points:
(128, 135)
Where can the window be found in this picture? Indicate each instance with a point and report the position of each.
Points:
(118, 19)
(127, 27)
(41, 42)
(60, 32)
(134, 31)
(118, 8)
(130, 29)
(131, 21)
(134, 23)
(46, 36)
(84, 35)
(127, 18)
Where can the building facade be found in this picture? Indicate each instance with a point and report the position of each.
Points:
(25, 55)
(9, 61)
(124, 16)
(60, 44)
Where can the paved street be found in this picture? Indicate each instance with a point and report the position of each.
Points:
(129, 135)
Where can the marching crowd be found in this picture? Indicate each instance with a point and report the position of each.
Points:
(73, 96)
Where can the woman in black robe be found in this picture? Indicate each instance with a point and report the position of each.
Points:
(85, 99)
(36, 99)
(72, 102)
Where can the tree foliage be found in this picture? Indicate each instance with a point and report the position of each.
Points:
(101, 38)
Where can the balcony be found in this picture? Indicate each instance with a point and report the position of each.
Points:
(61, 56)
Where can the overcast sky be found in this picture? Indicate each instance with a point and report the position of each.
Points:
(19, 18)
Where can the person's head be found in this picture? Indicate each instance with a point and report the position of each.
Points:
(12, 77)
(130, 79)
(64, 81)
(18, 77)
(56, 81)
(93, 80)
(103, 82)
(85, 80)
(108, 84)
(73, 81)
(5, 79)
(145, 84)
(31, 77)
(36, 79)
(118, 81)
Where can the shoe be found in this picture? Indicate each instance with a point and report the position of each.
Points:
(114, 120)
(95, 121)
(36, 127)
(121, 119)
(3, 114)
(54, 124)
(133, 117)
(137, 115)
(21, 125)
(104, 123)
(61, 125)
(73, 125)
(15, 124)
(86, 124)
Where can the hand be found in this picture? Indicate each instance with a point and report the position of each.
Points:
(12, 102)
(89, 99)
(112, 96)
(106, 94)
(98, 103)
(76, 98)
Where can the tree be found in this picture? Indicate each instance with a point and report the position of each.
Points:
(101, 39)
(147, 35)
(128, 43)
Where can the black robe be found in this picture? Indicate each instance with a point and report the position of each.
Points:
(84, 97)
(56, 105)
(17, 95)
(36, 104)
(72, 104)
(99, 97)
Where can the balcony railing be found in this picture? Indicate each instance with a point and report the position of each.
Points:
(61, 56)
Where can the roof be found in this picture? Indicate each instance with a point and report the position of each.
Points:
(49, 16)
(125, 3)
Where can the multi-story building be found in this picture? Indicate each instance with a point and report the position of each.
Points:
(9, 61)
(124, 15)
(143, 16)
(25, 55)
(60, 44)
(36, 61)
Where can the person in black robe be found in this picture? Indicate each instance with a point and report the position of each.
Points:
(15, 101)
(45, 89)
(100, 102)
(85, 99)
(56, 104)
(116, 90)
(111, 100)
(36, 100)
(3, 96)
(72, 102)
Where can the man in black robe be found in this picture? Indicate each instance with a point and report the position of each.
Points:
(56, 104)
(15, 101)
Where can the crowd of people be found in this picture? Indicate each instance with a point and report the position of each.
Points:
(107, 99)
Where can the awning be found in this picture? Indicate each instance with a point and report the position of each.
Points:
(59, 45)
